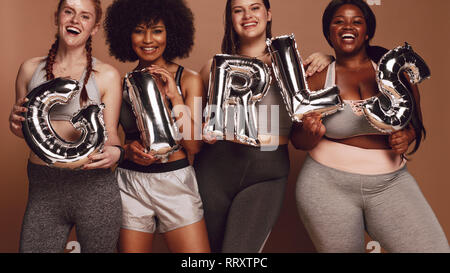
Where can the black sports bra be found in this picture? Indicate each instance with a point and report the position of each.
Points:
(127, 118)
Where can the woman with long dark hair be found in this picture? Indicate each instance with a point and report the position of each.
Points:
(61, 198)
(242, 187)
(354, 177)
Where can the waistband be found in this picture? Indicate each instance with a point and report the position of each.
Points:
(356, 160)
(157, 167)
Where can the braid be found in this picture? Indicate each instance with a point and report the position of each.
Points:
(51, 60)
(84, 95)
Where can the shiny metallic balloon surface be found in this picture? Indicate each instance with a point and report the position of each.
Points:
(157, 128)
(236, 84)
(290, 74)
(42, 138)
(393, 110)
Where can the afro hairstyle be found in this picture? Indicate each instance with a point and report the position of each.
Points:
(123, 16)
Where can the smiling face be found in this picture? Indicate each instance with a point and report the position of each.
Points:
(249, 18)
(348, 30)
(76, 21)
(149, 42)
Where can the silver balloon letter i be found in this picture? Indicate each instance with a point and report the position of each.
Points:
(158, 133)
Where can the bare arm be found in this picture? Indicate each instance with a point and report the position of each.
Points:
(24, 75)
(108, 80)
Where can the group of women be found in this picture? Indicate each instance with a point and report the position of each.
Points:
(229, 200)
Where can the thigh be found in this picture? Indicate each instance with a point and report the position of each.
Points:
(217, 184)
(132, 241)
(189, 239)
(252, 215)
(43, 230)
(45, 225)
(399, 217)
(330, 207)
(97, 212)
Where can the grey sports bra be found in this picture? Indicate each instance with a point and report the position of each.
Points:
(66, 111)
(274, 98)
(127, 118)
(350, 121)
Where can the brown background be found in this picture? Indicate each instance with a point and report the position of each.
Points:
(27, 31)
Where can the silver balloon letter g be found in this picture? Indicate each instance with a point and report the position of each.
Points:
(42, 138)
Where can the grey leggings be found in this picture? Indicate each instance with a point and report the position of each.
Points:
(58, 199)
(336, 207)
(242, 190)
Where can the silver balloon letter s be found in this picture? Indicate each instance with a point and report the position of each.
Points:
(393, 111)
(290, 74)
(153, 115)
(235, 85)
(42, 138)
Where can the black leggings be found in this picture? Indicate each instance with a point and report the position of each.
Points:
(61, 198)
(242, 190)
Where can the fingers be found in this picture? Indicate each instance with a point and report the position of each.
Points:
(21, 101)
(312, 123)
(309, 59)
(162, 72)
(399, 142)
(210, 139)
(136, 153)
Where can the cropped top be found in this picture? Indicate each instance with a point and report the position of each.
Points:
(350, 121)
(66, 111)
(265, 125)
(127, 118)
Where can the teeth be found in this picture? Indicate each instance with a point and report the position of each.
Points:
(148, 48)
(348, 36)
(249, 24)
(74, 30)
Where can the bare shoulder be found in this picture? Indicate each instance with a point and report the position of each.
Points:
(106, 72)
(192, 81)
(28, 67)
(190, 75)
(317, 81)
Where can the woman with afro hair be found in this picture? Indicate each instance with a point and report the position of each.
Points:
(157, 196)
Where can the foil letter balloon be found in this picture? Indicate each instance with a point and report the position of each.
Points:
(152, 115)
(290, 74)
(42, 138)
(236, 84)
(394, 109)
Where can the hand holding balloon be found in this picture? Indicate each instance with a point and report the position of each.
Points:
(312, 126)
(16, 117)
(400, 140)
(167, 83)
(135, 152)
(105, 160)
(208, 138)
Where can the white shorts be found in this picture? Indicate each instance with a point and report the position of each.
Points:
(159, 201)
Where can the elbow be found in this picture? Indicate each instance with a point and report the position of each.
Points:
(193, 148)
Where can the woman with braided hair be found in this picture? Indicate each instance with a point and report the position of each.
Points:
(60, 198)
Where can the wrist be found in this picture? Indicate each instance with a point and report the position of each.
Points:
(122, 154)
